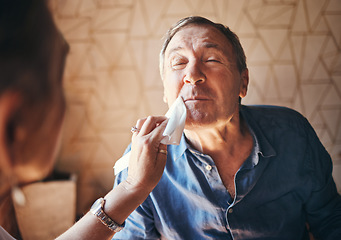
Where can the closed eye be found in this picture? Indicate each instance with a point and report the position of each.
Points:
(178, 63)
(213, 60)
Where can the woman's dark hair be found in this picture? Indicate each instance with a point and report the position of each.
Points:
(27, 35)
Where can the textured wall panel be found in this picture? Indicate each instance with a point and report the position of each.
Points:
(111, 79)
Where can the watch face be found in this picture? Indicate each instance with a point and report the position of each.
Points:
(97, 205)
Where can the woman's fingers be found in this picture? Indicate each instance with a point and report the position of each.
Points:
(137, 128)
(162, 148)
(150, 123)
(148, 155)
(162, 154)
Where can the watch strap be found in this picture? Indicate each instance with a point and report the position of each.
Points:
(107, 221)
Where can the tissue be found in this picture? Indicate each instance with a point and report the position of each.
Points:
(172, 133)
(176, 123)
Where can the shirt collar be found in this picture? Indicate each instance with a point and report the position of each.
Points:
(178, 151)
(261, 143)
(253, 159)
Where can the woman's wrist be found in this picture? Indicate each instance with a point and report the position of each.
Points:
(135, 188)
(123, 200)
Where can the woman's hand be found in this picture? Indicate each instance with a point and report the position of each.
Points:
(148, 156)
(146, 166)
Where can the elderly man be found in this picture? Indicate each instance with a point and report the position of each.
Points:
(239, 172)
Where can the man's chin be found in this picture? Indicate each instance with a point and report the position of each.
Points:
(199, 121)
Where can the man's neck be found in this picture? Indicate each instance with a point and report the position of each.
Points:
(228, 145)
(226, 136)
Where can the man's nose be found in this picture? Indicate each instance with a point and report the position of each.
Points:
(194, 74)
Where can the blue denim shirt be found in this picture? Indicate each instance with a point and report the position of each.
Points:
(285, 183)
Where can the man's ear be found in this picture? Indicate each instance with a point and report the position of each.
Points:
(244, 82)
(10, 103)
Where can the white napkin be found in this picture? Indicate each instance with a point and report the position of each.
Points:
(172, 133)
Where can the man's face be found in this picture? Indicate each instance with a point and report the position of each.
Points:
(200, 66)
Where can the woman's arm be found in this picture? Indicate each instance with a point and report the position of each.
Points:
(145, 170)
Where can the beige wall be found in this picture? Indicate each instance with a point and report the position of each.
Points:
(111, 79)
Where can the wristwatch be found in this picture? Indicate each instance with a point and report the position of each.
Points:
(97, 210)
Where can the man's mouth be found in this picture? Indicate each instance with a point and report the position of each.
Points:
(193, 99)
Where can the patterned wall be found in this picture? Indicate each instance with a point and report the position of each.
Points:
(112, 79)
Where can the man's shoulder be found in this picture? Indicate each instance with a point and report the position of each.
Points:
(270, 110)
(267, 115)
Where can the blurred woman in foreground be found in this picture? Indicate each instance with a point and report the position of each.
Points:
(32, 106)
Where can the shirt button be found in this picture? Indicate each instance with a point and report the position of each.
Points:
(208, 167)
(230, 210)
